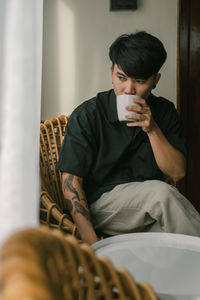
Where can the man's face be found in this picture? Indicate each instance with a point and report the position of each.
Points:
(123, 84)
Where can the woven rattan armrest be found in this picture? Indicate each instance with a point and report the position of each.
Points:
(52, 216)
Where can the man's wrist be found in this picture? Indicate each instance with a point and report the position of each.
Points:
(153, 130)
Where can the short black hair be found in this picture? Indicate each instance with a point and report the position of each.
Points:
(139, 55)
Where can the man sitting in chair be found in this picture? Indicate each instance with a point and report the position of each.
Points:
(113, 173)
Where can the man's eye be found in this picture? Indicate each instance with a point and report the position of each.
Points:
(121, 78)
(140, 81)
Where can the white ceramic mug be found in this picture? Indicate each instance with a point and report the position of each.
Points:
(122, 102)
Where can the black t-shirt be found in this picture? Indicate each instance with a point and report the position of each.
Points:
(106, 152)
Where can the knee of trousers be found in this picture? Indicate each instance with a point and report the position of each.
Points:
(160, 192)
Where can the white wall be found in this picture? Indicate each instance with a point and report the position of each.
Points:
(77, 35)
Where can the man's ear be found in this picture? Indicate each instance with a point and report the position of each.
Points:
(111, 72)
(157, 78)
(111, 69)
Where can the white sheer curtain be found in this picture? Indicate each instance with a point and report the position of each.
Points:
(20, 102)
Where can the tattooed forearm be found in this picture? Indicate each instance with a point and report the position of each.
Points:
(69, 205)
(84, 199)
(81, 210)
(68, 185)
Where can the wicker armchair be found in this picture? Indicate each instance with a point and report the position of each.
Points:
(46, 264)
(52, 211)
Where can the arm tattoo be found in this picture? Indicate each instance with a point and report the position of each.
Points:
(69, 205)
(81, 210)
(68, 185)
(84, 199)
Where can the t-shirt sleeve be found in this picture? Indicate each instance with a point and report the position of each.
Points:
(172, 130)
(76, 153)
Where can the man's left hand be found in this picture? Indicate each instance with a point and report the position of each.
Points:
(143, 116)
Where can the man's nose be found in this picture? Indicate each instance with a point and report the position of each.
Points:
(130, 87)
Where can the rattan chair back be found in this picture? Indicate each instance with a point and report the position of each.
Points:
(51, 136)
(52, 206)
(44, 264)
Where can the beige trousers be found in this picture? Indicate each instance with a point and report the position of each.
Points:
(151, 205)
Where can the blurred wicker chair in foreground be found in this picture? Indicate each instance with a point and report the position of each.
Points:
(42, 264)
(52, 211)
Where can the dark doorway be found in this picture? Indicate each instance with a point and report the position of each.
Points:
(189, 93)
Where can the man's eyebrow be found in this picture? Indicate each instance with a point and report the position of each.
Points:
(121, 74)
